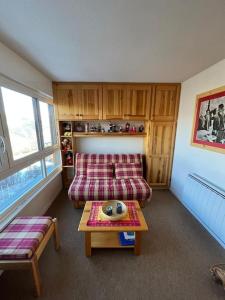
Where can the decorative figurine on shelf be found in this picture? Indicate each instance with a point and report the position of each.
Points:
(133, 129)
(79, 127)
(120, 129)
(67, 129)
(114, 128)
(141, 128)
(66, 145)
(86, 127)
(110, 127)
(99, 127)
(69, 158)
(103, 130)
(93, 129)
(127, 127)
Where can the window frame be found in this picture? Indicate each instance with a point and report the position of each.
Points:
(12, 166)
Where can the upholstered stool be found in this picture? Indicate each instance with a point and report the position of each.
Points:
(23, 241)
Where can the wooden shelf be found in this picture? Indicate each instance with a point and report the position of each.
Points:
(65, 136)
(68, 166)
(104, 134)
(106, 240)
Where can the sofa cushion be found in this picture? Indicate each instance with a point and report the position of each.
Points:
(97, 171)
(21, 237)
(84, 189)
(128, 170)
(83, 159)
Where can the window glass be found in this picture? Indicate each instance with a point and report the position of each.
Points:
(15, 186)
(21, 123)
(45, 121)
(52, 162)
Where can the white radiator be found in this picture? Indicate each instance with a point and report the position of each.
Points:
(207, 203)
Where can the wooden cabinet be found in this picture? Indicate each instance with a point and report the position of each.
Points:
(78, 102)
(126, 101)
(66, 101)
(90, 102)
(158, 171)
(108, 101)
(114, 97)
(138, 100)
(161, 143)
(156, 104)
(165, 102)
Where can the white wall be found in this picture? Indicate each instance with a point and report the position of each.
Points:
(208, 164)
(40, 204)
(16, 68)
(104, 145)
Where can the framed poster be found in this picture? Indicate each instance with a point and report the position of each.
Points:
(209, 121)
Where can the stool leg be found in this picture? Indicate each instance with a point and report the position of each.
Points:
(36, 275)
(56, 234)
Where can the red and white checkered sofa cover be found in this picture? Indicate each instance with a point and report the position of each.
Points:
(88, 189)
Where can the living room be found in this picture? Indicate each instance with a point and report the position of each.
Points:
(112, 109)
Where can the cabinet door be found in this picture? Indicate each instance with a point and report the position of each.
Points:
(161, 143)
(114, 97)
(90, 102)
(67, 102)
(157, 171)
(165, 102)
(137, 104)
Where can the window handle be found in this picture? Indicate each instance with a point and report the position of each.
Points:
(2, 144)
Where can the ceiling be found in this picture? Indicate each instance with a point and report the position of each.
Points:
(116, 40)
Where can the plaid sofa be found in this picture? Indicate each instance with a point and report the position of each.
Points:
(84, 188)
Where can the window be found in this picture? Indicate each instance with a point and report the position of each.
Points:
(28, 142)
(15, 186)
(21, 123)
(46, 125)
(52, 162)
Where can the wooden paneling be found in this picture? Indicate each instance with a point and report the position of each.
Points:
(78, 102)
(67, 102)
(90, 104)
(158, 171)
(165, 102)
(114, 97)
(161, 143)
(137, 104)
(161, 138)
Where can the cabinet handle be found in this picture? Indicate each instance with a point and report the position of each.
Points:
(127, 115)
(2, 144)
(77, 115)
(81, 115)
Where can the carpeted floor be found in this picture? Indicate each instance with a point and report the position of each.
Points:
(176, 255)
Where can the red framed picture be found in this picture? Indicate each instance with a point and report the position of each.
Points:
(209, 121)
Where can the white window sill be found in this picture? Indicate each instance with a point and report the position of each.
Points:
(7, 217)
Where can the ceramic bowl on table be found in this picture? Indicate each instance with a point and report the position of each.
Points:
(115, 216)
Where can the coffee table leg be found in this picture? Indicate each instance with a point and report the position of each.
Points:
(137, 246)
(88, 243)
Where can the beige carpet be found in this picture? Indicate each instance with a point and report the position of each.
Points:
(176, 255)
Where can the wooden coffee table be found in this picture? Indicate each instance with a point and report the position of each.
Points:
(108, 237)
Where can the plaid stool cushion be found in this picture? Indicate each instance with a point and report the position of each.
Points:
(21, 237)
